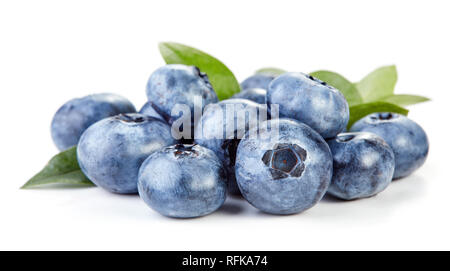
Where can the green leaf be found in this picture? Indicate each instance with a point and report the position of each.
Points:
(270, 71)
(221, 78)
(378, 84)
(359, 111)
(63, 168)
(340, 82)
(405, 99)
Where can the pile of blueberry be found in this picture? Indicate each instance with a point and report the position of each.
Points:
(124, 151)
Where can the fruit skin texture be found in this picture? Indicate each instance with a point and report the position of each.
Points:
(111, 151)
(178, 84)
(257, 81)
(183, 181)
(363, 165)
(76, 115)
(148, 110)
(211, 132)
(311, 101)
(284, 174)
(405, 137)
(258, 95)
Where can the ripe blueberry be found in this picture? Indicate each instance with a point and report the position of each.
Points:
(76, 115)
(285, 172)
(363, 165)
(311, 101)
(179, 84)
(223, 125)
(111, 151)
(405, 137)
(183, 181)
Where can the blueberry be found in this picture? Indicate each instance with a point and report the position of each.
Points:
(258, 95)
(183, 181)
(405, 137)
(76, 115)
(311, 101)
(257, 81)
(179, 84)
(218, 130)
(363, 165)
(148, 110)
(111, 151)
(285, 173)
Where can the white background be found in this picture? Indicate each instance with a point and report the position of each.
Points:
(52, 51)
